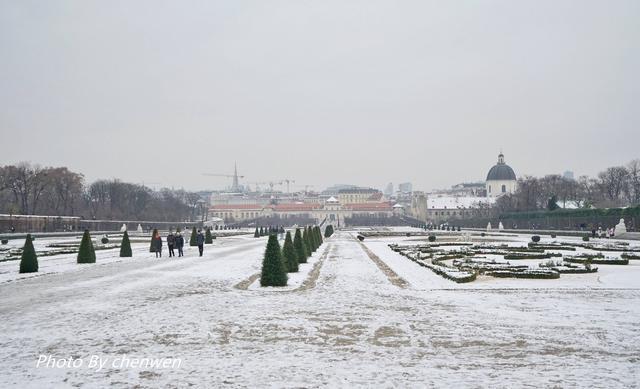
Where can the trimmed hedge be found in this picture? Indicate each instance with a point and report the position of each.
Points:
(532, 274)
(595, 261)
(29, 260)
(125, 246)
(87, 253)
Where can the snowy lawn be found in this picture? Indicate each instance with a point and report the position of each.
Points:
(351, 327)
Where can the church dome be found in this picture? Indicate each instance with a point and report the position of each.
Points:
(501, 171)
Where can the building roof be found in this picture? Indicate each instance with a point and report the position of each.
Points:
(332, 200)
(501, 171)
(296, 207)
(231, 207)
(358, 190)
(368, 206)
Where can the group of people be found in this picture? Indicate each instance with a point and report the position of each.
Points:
(600, 233)
(176, 241)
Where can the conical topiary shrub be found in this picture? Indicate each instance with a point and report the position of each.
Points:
(310, 240)
(314, 238)
(319, 236)
(328, 231)
(29, 260)
(152, 246)
(87, 253)
(299, 246)
(257, 233)
(125, 246)
(208, 238)
(192, 241)
(289, 256)
(307, 241)
(273, 270)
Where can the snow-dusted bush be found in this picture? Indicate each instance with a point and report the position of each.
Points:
(289, 256)
(299, 246)
(125, 246)
(29, 259)
(535, 238)
(87, 253)
(104, 240)
(432, 238)
(273, 269)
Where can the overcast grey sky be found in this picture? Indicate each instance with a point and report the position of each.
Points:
(322, 92)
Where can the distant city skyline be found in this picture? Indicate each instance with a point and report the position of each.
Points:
(320, 92)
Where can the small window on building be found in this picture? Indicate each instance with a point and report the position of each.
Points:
(504, 189)
(489, 188)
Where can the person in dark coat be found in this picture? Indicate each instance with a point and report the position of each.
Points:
(179, 243)
(157, 241)
(200, 241)
(171, 240)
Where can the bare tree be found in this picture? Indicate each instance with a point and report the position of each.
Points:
(632, 189)
(612, 182)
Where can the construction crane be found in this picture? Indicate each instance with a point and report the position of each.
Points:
(270, 183)
(221, 175)
(235, 187)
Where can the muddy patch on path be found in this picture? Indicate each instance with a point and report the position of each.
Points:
(393, 277)
(245, 284)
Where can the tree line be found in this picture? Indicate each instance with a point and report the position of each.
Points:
(34, 190)
(616, 186)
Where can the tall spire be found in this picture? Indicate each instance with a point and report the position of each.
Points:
(235, 187)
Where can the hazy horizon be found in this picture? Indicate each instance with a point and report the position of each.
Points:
(360, 92)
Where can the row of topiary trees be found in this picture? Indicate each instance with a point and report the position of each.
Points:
(86, 252)
(264, 231)
(278, 262)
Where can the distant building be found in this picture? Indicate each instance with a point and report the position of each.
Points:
(448, 208)
(465, 189)
(388, 191)
(405, 187)
(332, 210)
(359, 195)
(501, 179)
(568, 174)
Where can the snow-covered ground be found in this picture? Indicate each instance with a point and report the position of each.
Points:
(368, 319)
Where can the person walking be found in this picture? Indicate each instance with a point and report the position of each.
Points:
(171, 241)
(179, 243)
(157, 241)
(200, 241)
